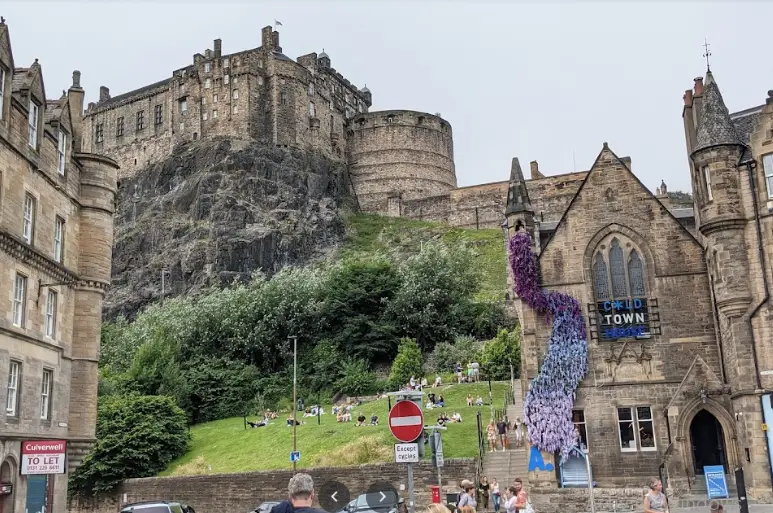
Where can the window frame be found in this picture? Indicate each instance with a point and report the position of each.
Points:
(99, 132)
(33, 122)
(28, 217)
(226, 79)
(19, 303)
(46, 393)
(158, 115)
(183, 106)
(204, 116)
(119, 126)
(207, 83)
(16, 395)
(767, 172)
(226, 62)
(207, 67)
(50, 313)
(140, 120)
(312, 110)
(59, 227)
(214, 114)
(584, 431)
(706, 172)
(236, 109)
(235, 94)
(61, 151)
(214, 98)
(636, 423)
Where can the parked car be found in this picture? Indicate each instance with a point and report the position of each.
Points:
(265, 507)
(157, 507)
(373, 503)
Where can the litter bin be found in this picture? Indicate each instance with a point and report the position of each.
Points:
(435, 494)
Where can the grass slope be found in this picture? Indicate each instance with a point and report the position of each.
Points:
(227, 447)
(367, 233)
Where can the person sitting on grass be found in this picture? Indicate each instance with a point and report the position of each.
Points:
(469, 399)
(479, 401)
(290, 422)
(440, 402)
(456, 417)
(438, 380)
(374, 420)
(257, 424)
(360, 420)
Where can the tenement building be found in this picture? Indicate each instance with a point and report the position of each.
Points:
(676, 303)
(56, 233)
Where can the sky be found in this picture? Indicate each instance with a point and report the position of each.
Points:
(549, 82)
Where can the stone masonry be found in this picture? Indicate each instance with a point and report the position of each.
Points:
(56, 236)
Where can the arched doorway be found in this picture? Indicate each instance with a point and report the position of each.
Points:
(7, 478)
(708, 441)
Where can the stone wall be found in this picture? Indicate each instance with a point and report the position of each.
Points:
(577, 500)
(244, 492)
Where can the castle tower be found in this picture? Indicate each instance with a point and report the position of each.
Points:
(518, 212)
(721, 219)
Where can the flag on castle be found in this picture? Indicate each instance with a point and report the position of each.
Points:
(277, 23)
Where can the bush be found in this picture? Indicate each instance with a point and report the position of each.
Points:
(137, 436)
(356, 379)
(464, 350)
(502, 352)
(407, 363)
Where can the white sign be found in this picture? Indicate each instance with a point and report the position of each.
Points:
(439, 454)
(406, 453)
(766, 373)
(43, 457)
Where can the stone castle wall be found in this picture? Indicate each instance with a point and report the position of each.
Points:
(218, 493)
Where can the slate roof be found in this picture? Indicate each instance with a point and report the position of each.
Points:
(53, 109)
(745, 121)
(280, 56)
(716, 127)
(517, 194)
(116, 99)
(21, 79)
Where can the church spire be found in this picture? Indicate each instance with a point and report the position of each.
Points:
(715, 127)
(517, 194)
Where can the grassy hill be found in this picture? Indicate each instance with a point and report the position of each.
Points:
(368, 233)
(225, 445)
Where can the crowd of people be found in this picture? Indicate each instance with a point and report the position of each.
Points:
(501, 432)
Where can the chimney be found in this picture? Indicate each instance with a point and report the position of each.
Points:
(275, 41)
(698, 86)
(75, 97)
(218, 48)
(267, 39)
(104, 94)
(769, 100)
(535, 170)
(688, 98)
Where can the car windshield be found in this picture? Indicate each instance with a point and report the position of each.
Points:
(374, 500)
(147, 509)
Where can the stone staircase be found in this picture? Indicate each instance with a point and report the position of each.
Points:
(505, 466)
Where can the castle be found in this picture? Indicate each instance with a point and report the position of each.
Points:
(56, 238)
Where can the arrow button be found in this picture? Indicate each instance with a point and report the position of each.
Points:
(333, 496)
(382, 496)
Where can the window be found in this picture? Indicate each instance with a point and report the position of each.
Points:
(2, 91)
(45, 394)
(207, 67)
(578, 418)
(28, 228)
(19, 300)
(260, 80)
(214, 114)
(99, 132)
(236, 109)
(331, 105)
(312, 109)
(207, 84)
(182, 88)
(707, 179)
(141, 120)
(32, 120)
(62, 151)
(203, 101)
(159, 114)
(636, 429)
(119, 127)
(183, 106)
(767, 165)
(236, 80)
(235, 95)
(204, 116)
(51, 314)
(226, 79)
(182, 127)
(283, 98)
(226, 63)
(311, 88)
(390, 119)
(59, 239)
(214, 98)
(12, 397)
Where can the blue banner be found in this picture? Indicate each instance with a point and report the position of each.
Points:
(716, 484)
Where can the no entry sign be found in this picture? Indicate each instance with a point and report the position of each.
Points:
(406, 421)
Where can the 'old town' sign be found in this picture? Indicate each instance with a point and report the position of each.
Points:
(624, 318)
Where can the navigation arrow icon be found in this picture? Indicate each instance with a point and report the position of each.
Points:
(333, 496)
(382, 496)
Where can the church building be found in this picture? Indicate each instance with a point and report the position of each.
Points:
(676, 308)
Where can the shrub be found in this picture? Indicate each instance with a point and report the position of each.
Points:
(464, 350)
(356, 379)
(407, 363)
(502, 352)
(137, 436)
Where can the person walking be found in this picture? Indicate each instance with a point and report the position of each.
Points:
(301, 492)
(491, 432)
(502, 430)
(510, 499)
(496, 495)
(521, 497)
(483, 492)
(655, 501)
(468, 496)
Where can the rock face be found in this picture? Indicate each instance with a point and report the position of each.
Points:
(216, 211)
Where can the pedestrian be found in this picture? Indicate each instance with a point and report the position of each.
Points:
(483, 489)
(491, 432)
(467, 497)
(437, 508)
(301, 492)
(502, 430)
(518, 432)
(522, 503)
(655, 501)
(510, 499)
(496, 496)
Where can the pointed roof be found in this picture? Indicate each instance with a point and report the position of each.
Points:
(716, 127)
(517, 194)
(6, 54)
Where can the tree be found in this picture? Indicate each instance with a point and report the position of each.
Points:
(502, 354)
(137, 436)
(408, 362)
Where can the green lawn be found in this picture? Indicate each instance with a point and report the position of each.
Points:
(227, 447)
(370, 233)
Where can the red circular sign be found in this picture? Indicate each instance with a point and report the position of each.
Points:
(406, 421)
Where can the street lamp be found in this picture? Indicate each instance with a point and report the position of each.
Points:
(295, 396)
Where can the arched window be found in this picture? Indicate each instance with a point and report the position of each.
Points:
(620, 290)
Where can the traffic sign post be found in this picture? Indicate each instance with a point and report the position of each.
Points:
(406, 422)
(295, 456)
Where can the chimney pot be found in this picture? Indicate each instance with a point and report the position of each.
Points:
(104, 94)
(218, 45)
(76, 78)
(688, 97)
(698, 86)
(535, 172)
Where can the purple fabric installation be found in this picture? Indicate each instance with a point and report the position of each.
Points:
(549, 401)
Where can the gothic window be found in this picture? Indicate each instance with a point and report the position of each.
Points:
(600, 277)
(617, 268)
(618, 273)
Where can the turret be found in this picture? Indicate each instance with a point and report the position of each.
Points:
(323, 60)
(367, 96)
(519, 212)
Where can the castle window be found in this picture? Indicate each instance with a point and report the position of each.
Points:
(214, 98)
(159, 115)
(390, 119)
(32, 120)
(331, 105)
(182, 127)
(235, 94)
(28, 217)
(707, 182)
(767, 165)
(183, 106)
(182, 88)
(260, 63)
(207, 67)
(283, 98)
(61, 151)
(207, 83)
(195, 135)
(260, 80)
(226, 79)
(141, 120)
(2, 91)
(214, 114)
(312, 110)
(236, 80)
(99, 132)
(226, 63)
(59, 239)
(421, 120)
(20, 300)
(236, 109)
(118, 127)
(311, 88)
(204, 116)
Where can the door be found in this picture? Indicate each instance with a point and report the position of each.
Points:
(37, 494)
(708, 441)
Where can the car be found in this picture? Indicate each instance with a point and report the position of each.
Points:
(265, 507)
(377, 502)
(157, 507)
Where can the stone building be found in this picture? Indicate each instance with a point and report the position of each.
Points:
(56, 233)
(675, 302)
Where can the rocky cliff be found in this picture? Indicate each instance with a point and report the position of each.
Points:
(216, 211)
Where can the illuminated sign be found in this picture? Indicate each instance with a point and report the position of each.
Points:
(624, 318)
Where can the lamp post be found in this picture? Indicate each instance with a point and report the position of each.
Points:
(295, 395)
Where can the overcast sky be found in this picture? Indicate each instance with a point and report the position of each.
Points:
(548, 82)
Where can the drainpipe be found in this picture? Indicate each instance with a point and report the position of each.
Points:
(750, 167)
